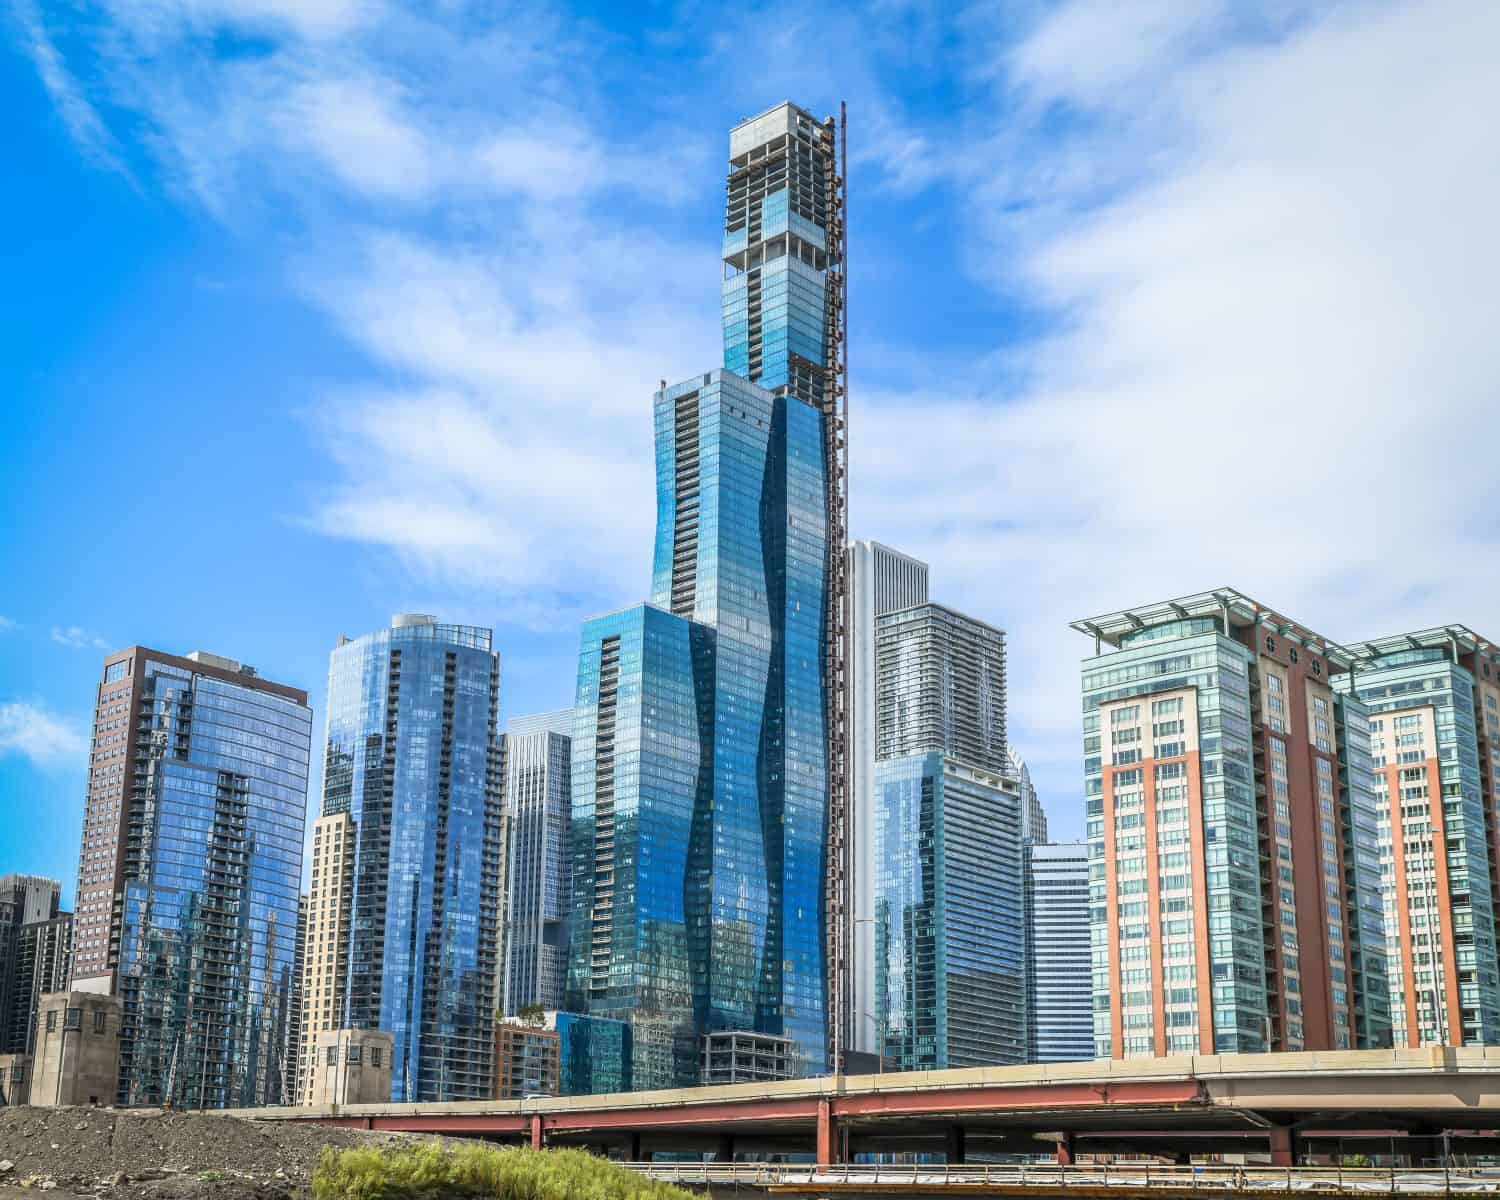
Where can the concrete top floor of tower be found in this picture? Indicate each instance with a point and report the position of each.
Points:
(1231, 612)
(894, 621)
(784, 119)
(425, 627)
(121, 664)
(558, 721)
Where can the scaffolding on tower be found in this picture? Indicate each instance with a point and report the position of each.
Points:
(837, 716)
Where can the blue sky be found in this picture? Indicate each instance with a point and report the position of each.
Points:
(317, 310)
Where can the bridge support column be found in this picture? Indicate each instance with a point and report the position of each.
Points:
(1282, 1154)
(1065, 1149)
(954, 1145)
(536, 1133)
(635, 1147)
(828, 1140)
(725, 1152)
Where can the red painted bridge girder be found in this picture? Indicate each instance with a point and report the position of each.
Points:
(774, 1110)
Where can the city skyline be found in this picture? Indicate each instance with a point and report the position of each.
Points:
(341, 389)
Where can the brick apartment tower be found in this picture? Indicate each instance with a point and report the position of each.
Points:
(1234, 862)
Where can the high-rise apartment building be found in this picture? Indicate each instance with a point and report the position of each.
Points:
(1033, 815)
(1234, 865)
(538, 859)
(1060, 995)
(1434, 703)
(189, 874)
(950, 924)
(407, 855)
(292, 1054)
(881, 580)
(706, 720)
(35, 938)
(640, 796)
(326, 940)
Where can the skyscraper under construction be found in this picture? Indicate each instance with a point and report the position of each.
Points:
(708, 757)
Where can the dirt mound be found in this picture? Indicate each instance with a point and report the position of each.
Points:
(164, 1156)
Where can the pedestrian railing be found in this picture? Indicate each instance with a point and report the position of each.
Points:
(1125, 1176)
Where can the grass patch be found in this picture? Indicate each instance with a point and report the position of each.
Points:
(430, 1171)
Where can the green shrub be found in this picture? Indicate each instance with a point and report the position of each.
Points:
(432, 1171)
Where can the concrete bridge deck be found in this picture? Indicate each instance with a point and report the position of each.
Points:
(1419, 1104)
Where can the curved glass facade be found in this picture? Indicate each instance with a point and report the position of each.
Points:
(739, 616)
(412, 757)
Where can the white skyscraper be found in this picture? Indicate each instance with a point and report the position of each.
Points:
(538, 859)
(881, 580)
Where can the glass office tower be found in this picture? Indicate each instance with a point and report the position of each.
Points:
(1059, 994)
(950, 928)
(642, 832)
(719, 683)
(412, 760)
(209, 879)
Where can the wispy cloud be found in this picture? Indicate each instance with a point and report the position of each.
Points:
(1238, 259)
(48, 739)
(76, 638)
(6, 624)
(1266, 340)
(73, 106)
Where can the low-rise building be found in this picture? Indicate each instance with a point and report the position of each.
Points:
(351, 1066)
(526, 1060)
(77, 1058)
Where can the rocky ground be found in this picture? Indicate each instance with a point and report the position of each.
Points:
(127, 1155)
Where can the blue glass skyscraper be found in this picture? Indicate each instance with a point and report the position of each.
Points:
(208, 876)
(703, 715)
(412, 759)
(949, 846)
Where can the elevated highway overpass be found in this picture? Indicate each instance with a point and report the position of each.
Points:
(1416, 1106)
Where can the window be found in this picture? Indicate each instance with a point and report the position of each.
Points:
(99, 1019)
(1270, 644)
(375, 1056)
(52, 1020)
(74, 1019)
(352, 1053)
(333, 1056)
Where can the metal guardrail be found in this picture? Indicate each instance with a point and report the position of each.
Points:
(1132, 1177)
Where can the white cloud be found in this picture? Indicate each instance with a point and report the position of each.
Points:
(48, 739)
(76, 638)
(1258, 240)
(157, 20)
(520, 459)
(1277, 347)
(357, 127)
(73, 106)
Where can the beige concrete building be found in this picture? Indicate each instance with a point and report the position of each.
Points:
(77, 1057)
(325, 951)
(15, 1080)
(350, 1066)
